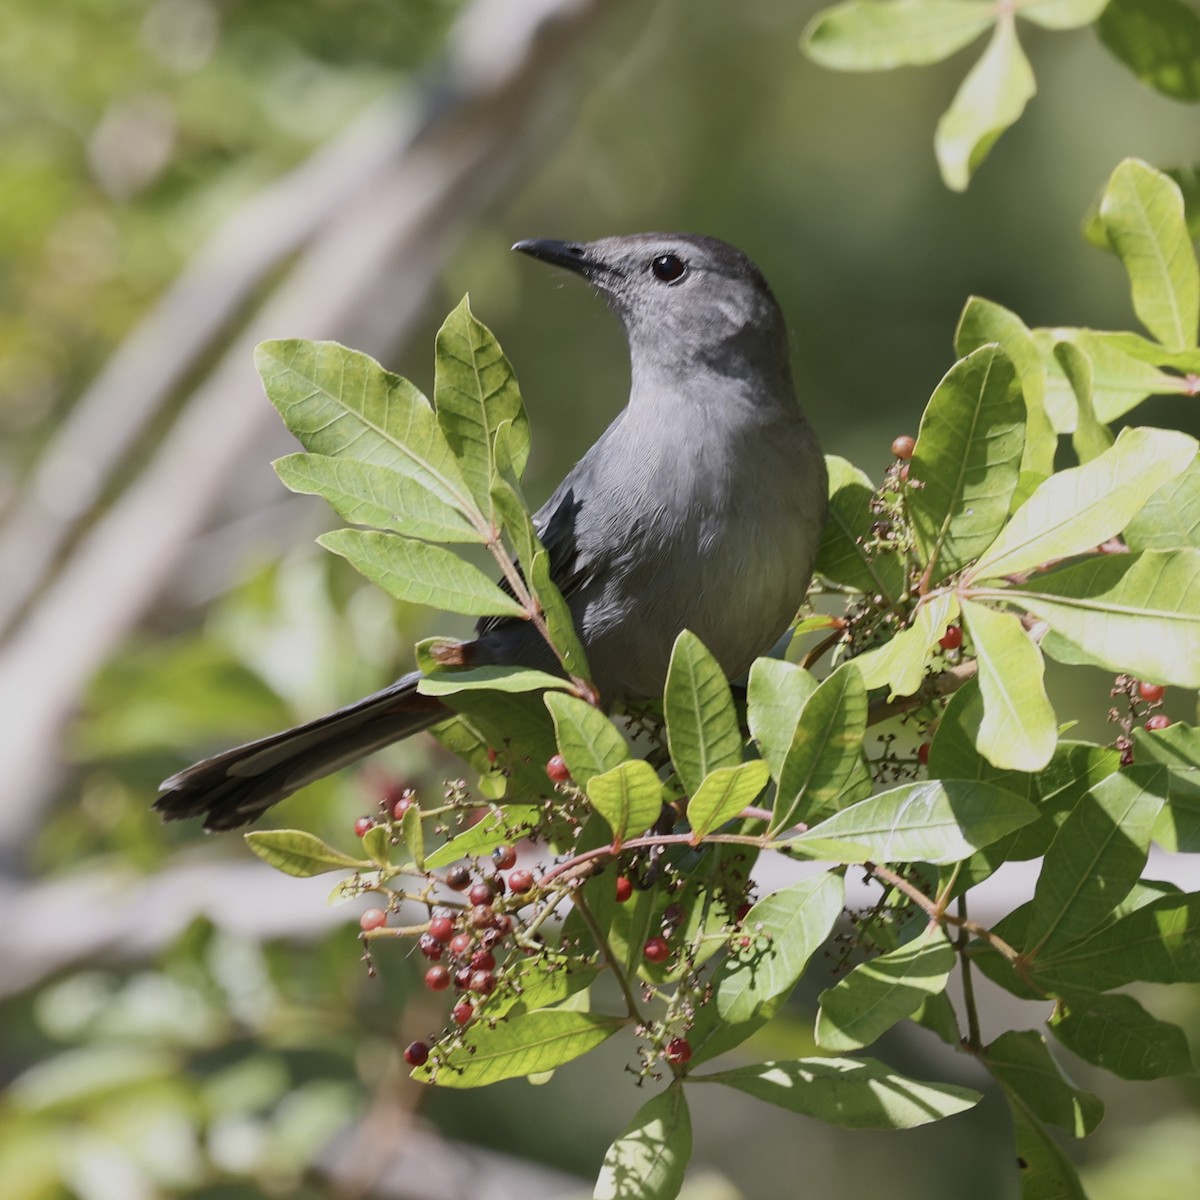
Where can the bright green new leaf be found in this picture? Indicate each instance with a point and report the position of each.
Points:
(785, 929)
(501, 826)
(1090, 438)
(1115, 1032)
(843, 556)
(902, 662)
(450, 681)
(413, 834)
(723, 794)
(368, 494)
(858, 1093)
(823, 769)
(1095, 859)
(1138, 613)
(475, 392)
(536, 1041)
(648, 1161)
(702, 727)
(1080, 508)
(1142, 211)
(775, 694)
(967, 460)
(1046, 1172)
(420, 573)
(587, 739)
(1158, 40)
(934, 821)
(1170, 519)
(1157, 943)
(991, 98)
(377, 842)
(1018, 730)
(869, 1000)
(1061, 14)
(629, 797)
(295, 852)
(1021, 1061)
(343, 404)
(983, 321)
(870, 35)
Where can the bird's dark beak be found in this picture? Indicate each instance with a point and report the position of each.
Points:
(572, 255)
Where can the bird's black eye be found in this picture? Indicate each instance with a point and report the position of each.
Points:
(668, 267)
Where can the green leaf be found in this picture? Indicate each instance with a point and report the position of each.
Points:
(499, 827)
(475, 392)
(823, 769)
(1022, 1063)
(1158, 40)
(420, 573)
(858, 1093)
(843, 556)
(869, 1000)
(775, 695)
(1170, 519)
(901, 664)
(1096, 858)
(786, 929)
(377, 842)
(866, 35)
(648, 1160)
(628, 797)
(1078, 509)
(1128, 612)
(1046, 1172)
(968, 460)
(342, 404)
(536, 1041)
(492, 679)
(934, 821)
(702, 727)
(295, 852)
(723, 794)
(1142, 211)
(1115, 1032)
(1157, 943)
(366, 494)
(413, 834)
(587, 739)
(1062, 14)
(1090, 439)
(1178, 749)
(983, 321)
(991, 98)
(1018, 730)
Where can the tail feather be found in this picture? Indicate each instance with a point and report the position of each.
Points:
(236, 787)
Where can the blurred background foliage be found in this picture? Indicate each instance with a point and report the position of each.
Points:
(223, 1040)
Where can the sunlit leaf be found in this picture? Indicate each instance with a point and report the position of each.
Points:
(1090, 438)
(1062, 14)
(702, 728)
(295, 852)
(843, 556)
(723, 794)
(628, 797)
(648, 1160)
(492, 679)
(1170, 519)
(500, 826)
(587, 739)
(902, 663)
(775, 695)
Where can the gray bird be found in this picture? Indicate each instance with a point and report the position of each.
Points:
(700, 507)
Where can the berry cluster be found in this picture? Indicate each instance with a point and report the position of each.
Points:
(1142, 700)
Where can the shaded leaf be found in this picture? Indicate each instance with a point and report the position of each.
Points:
(1090, 438)
(702, 727)
(1115, 1032)
(492, 679)
(843, 556)
(775, 696)
(295, 852)
(648, 1160)
(1046, 1172)
(1022, 1063)
(1158, 40)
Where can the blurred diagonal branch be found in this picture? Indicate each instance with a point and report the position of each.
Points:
(415, 175)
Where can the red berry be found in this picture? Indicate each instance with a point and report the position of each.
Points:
(462, 1012)
(406, 801)
(363, 826)
(416, 1054)
(491, 756)
(520, 881)
(459, 878)
(672, 914)
(903, 447)
(679, 1050)
(656, 950)
(460, 943)
(483, 982)
(742, 911)
(501, 926)
(437, 979)
(624, 888)
(372, 918)
(1152, 693)
(481, 893)
(952, 638)
(430, 946)
(1158, 721)
(462, 979)
(482, 916)
(557, 769)
(441, 929)
(504, 857)
(923, 753)
(483, 960)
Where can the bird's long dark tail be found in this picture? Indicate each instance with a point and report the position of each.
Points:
(238, 786)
